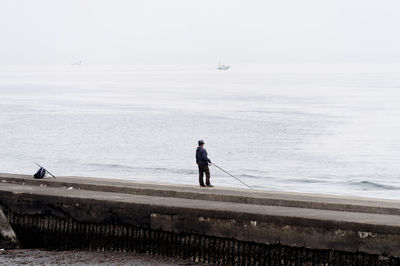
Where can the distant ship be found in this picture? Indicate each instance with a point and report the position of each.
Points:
(79, 63)
(222, 66)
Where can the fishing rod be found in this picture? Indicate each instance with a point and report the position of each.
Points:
(46, 170)
(232, 176)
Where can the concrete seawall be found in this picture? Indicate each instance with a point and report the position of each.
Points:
(224, 226)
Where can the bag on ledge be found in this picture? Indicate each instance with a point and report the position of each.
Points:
(41, 173)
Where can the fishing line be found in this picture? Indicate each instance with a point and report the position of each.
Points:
(232, 176)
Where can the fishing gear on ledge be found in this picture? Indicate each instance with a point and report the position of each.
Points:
(41, 173)
(232, 175)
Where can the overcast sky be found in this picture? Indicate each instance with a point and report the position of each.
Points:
(206, 31)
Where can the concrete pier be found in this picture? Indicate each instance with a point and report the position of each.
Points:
(223, 226)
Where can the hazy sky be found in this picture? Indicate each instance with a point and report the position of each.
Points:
(207, 31)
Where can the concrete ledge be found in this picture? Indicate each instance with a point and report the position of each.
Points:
(259, 197)
(298, 227)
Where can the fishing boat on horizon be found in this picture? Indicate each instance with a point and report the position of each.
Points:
(78, 63)
(222, 66)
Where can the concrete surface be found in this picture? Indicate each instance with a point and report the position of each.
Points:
(105, 208)
(259, 197)
(8, 239)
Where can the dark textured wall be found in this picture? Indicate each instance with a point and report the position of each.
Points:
(66, 233)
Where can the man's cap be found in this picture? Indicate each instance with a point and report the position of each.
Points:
(201, 142)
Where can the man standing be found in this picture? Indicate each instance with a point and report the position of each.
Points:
(202, 161)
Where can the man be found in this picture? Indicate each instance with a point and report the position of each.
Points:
(202, 161)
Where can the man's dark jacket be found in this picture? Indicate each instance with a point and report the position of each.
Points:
(201, 156)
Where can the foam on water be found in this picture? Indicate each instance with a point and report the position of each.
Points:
(332, 129)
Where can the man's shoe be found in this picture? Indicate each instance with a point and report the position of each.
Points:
(202, 185)
(209, 185)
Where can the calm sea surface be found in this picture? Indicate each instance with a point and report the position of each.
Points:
(321, 129)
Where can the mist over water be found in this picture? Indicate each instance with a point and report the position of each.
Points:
(331, 130)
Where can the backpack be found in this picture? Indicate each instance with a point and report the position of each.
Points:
(40, 173)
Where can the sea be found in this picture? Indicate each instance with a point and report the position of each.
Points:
(309, 128)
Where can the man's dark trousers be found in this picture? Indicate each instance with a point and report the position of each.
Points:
(203, 168)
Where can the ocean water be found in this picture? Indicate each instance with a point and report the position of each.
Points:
(330, 129)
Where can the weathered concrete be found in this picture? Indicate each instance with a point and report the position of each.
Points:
(8, 239)
(215, 224)
(259, 197)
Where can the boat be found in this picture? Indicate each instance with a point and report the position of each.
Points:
(222, 66)
(79, 63)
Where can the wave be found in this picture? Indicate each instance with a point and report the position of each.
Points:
(368, 185)
(256, 176)
(282, 179)
(144, 169)
(306, 181)
(119, 166)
